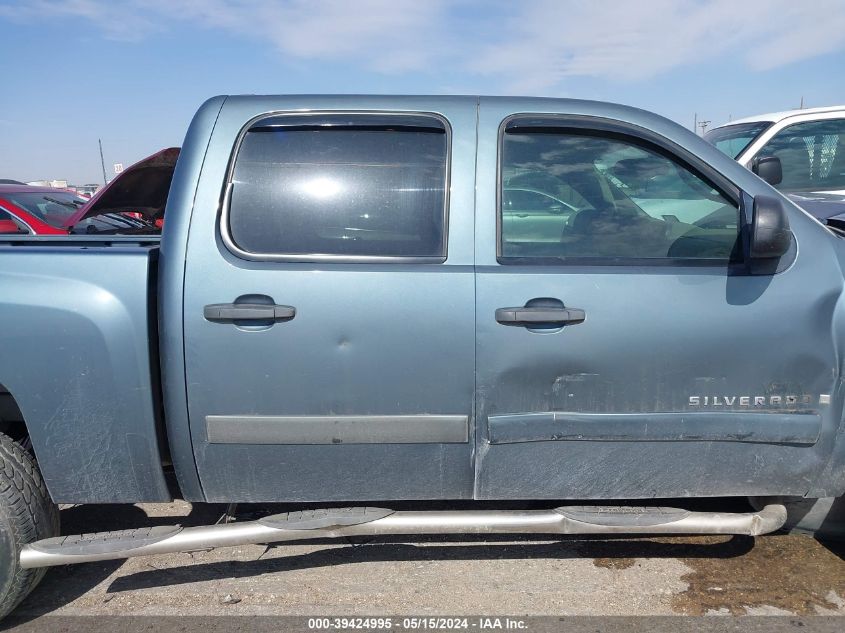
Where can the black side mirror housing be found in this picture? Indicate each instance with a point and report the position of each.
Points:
(771, 236)
(769, 168)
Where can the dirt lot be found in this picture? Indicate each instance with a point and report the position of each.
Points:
(781, 574)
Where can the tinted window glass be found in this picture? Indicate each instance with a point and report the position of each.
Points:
(346, 185)
(612, 199)
(733, 139)
(812, 155)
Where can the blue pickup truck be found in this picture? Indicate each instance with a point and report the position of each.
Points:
(363, 300)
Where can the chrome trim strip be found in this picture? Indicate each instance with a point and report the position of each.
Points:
(698, 426)
(337, 429)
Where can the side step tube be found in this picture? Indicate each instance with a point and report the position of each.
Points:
(341, 522)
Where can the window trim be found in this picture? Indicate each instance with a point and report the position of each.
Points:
(636, 135)
(225, 199)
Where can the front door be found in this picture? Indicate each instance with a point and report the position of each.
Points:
(329, 335)
(624, 350)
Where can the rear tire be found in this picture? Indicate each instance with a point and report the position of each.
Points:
(26, 514)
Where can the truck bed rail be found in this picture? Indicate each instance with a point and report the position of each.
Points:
(87, 241)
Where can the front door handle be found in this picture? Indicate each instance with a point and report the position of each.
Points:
(229, 312)
(527, 315)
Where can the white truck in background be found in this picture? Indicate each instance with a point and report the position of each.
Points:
(800, 152)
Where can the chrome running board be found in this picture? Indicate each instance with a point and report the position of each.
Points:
(341, 522)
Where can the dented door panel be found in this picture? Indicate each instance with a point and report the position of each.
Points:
(680, 381)
(622, 390)
(365, 389)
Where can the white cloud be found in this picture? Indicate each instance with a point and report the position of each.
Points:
(383, 35)
(800, 31)
(115, 20)
(554, 39)
(533, 46)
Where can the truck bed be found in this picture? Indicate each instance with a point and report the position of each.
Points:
(81, 311)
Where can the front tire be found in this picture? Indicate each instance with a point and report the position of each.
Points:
(27, 514)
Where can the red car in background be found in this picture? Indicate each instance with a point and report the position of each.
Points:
(132, 203)
(26, 210)
(37, 210)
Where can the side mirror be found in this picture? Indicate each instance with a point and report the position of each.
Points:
(768, 168)
(770, 233)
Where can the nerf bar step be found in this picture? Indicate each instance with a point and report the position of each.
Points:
(365, 521)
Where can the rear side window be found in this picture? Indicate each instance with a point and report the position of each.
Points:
(341, 186)
(580, 195)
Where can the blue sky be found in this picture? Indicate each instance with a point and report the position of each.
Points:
(132, 72)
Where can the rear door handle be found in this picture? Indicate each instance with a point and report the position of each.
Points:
(526, 315)
(227, 312)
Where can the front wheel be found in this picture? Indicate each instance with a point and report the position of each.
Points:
(26, 514)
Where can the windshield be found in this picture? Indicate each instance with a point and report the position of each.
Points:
(52, 207)
(733, 139)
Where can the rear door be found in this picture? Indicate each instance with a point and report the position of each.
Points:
(329, 329)
(624, 349)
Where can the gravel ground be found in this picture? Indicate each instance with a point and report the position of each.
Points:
(781, 574)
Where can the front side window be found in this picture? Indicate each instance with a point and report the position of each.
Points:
(573, 195)
(733, 139)
(812, 155)
(341, 185)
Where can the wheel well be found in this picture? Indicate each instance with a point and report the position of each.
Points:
(11, 418)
